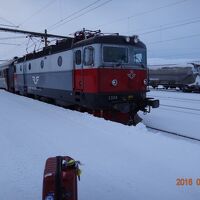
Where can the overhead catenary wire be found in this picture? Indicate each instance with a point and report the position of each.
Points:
(27, 44)
(2, 60)
(34, 43)
(10, 51)
(10, 38)
(142, 13)
(167, 24)
(153, 42)
(12, 44)
(31, 33)
(174, 39)
(74, 13)
(6, 25)
(171, 27)
(27, 19)
(37, 12)
(7, 21)
(90, 10)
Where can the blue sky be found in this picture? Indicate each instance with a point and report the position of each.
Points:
(170, 28)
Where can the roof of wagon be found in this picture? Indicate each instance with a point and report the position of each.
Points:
(110, 39)
(71, 43)
(6, 64)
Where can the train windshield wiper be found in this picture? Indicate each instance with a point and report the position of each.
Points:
(142, 64)
(121, 61)
(138, 61)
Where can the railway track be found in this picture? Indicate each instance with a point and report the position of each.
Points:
(173, 133)
(178, 115)
(181, 107)
(174, 90)
(179, 99)
(165, 90)
(180, 103)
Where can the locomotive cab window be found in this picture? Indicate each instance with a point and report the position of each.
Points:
(78, 57)
(89, 56)
(29, 66)
(115, 54)
(139, 57)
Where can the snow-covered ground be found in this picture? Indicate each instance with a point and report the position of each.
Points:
(120, 162)
(178, 113)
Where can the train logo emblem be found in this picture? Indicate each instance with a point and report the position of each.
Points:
(35, 79)
(131, 75)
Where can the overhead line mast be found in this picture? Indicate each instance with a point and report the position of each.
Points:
(44, 35)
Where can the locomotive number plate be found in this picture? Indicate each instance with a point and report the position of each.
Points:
(111, 98)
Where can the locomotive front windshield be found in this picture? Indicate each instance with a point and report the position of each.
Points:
(133, 57)
(115, 54)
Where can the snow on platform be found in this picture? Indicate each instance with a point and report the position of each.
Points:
(120, 162)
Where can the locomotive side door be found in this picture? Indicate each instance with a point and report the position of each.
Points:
(78, 78)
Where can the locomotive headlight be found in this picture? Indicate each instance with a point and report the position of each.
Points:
(135, 39)
(145, 81)
(49, 197)
(114, 82)
(128, 39)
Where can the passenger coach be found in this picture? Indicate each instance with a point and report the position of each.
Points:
(7, 71)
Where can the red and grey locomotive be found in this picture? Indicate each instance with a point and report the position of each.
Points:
(103, 74)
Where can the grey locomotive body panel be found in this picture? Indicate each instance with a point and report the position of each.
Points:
(47, 72)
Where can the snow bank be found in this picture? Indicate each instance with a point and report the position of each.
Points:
(120, 162)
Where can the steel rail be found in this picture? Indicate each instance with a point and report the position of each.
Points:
(173, 133)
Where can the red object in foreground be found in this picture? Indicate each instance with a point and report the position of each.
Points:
(60, 179)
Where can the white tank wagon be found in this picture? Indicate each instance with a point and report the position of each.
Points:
(186, 78)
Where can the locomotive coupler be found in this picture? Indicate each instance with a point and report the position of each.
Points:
(154, 103)
(147, 110)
